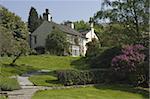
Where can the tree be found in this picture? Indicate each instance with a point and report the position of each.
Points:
(33, 20)
(6, 42)
(92, 48)
(56, 43)
(81, 26)
(13, 33)
(132, 15)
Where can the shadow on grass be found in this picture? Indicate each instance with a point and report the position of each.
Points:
(17, 69)
(125, 88)
(81, 63)
(53, 82)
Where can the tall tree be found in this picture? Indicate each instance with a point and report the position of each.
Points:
(33, 20)
(13, 34)
(131, 14)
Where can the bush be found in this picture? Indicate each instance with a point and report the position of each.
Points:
(104, 57)
(130, 65)
(92, 48)
(40, 50)
(8, 84)
(76, 77)
(56, 43)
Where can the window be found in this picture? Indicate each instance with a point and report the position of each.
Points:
(35, 39)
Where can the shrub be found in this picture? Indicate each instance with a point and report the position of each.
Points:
(76, 77)
(56, 42)
(8, 84)
(40, 50)
(130, 58)
(92, 48)
(128, 65)
(104, 57)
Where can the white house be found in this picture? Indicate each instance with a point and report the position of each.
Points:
(89, 35)
(38, 37)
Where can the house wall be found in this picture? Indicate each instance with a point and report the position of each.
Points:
(41, 37)
(90, 35)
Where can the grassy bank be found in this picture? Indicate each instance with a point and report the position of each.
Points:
(33, 62)
(98, 92)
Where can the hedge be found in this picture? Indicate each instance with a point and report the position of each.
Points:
(8, 84)
(76, 77)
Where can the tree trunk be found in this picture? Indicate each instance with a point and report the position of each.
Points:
(14, 60)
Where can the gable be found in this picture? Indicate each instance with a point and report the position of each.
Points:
(44, 28)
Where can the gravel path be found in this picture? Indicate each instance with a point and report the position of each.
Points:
(27, 87)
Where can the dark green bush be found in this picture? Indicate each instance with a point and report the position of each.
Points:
(8, 84)
(104, 57)
(76, 77)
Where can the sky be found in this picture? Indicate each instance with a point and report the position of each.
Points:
(61, 10)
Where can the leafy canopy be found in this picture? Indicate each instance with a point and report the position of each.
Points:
(56, 42)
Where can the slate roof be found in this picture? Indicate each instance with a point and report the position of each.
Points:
(46, 26)
(84, 32)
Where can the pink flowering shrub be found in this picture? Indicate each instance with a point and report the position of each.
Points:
(129, 59)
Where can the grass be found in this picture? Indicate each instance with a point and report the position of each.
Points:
(33, 62)
(98, 92)
(44, 80)
(2, 97)
(8, 84)
(30, 63)
(48, 62)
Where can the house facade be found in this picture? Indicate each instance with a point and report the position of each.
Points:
(76, 39)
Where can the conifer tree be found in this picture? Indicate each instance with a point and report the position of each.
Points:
(33, 20)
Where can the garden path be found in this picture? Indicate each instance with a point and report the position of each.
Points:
(27, 87)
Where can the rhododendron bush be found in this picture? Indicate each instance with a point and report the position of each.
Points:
(131, 57)
(131, 65)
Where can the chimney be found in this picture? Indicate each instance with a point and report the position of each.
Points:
(92, 27)
(72, 25)
(47, 16)
(69, 24)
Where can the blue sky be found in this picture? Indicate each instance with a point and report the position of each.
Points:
(61, 10)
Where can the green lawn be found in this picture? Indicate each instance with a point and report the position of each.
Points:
(30, 63)
(2, 97)
(48, 62)
(44, 80)
(98, 92)
(33, 62)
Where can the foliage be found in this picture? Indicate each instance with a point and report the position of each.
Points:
(40, 50)
(103, 58)
(92, 48)
(129, 59)
(132, 17)
(130, 64)
(56, 43)
(81, 26)
(14, 34)
(6, 39)
(76, 77)
(33, 20)
(8, 84)
(114, 34)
